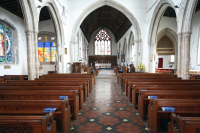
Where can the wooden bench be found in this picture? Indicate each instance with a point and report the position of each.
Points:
(183, 107)
(180, 124)
(49, 83)
(129, 81)
(143, 100)
(27, 124)
(89, 83)
(195, 76)
(92, 76)
(39, 93)
(36, 107)
(12, 77)
(164, 86)
(131, 85)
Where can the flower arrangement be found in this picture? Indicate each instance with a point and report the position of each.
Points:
(141, 67)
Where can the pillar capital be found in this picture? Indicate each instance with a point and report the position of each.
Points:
(29, 32)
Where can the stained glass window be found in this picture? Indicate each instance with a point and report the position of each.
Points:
(5, 44)
(47, 51)
(102, 43)
(53, 51)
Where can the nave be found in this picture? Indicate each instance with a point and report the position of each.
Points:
(107, 110)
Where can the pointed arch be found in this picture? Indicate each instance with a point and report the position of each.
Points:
(110, 3)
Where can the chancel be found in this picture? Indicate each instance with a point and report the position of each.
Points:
(120, 66)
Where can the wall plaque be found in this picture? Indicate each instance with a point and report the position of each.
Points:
(6, 67)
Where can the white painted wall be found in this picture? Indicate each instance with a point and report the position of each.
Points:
(21, 67)
(166, 61)
(47, 26)
(92, 40)
(194, 41)
(167, 22)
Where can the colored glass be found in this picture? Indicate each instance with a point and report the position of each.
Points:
(2, 49)
(46, 52)
(9, 45)
(53, 51)
(40, 51)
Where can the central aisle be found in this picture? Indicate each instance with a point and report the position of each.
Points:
(108, 111)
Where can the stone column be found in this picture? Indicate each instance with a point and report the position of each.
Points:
(186, 61)
(136, 55)
(176, 58)
(180, 54)
(30, 55)
(36, 54)
(152, 61)
(140, 51)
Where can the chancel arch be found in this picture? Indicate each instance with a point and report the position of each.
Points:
(105, 6)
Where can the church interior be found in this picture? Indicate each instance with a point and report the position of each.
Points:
(100, 66)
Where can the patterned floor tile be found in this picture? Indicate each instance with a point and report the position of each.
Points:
(108, 111)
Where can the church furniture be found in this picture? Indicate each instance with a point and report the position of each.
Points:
(1, 80)
(183, 107)
(11, 78)
(183, 124)
(78, 67)
(27, 123)
(194, 71)
(92, 76)
(195, 76)
(143, 100)
(48, 83)
(42, 93)
(88, 80)
(166, 86)
(25, 77)
(130, 82)
(103, 59)
(165, 70)
(36, 107)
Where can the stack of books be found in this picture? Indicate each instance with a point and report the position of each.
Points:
(168, 109)
(49, 109)
(152, 97)
(63, 97)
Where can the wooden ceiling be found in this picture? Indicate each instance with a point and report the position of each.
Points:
(170, 12)
(106, 17)
(12, 6)
(44, 14)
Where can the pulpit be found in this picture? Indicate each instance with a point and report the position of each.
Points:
(78, 67)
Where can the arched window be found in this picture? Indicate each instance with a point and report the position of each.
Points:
(102, 43)
(5, 44)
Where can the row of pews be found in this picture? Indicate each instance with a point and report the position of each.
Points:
(167, 91)
(44, 105)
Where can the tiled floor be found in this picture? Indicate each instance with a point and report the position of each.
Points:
(108, 111)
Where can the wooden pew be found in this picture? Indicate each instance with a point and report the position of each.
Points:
(195, 76)
(129, 81)
(183, 124)
(30, 124)
(48, 83)
(36, 107)
(143, 75)
(89, 83)
(41, 93)
(183, 107)
(11, 78)
(143, 100)
(25, 77)
(92, 76)
(131, 85)
(158, 86)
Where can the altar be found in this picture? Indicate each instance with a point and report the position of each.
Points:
(103, 65)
